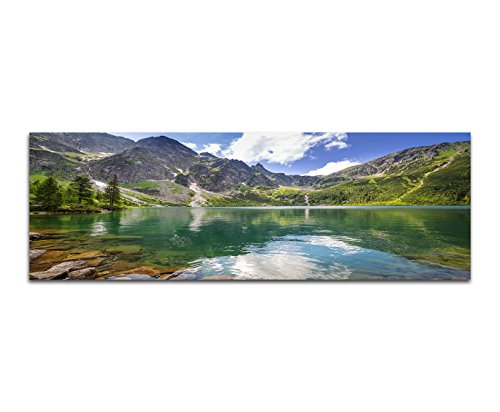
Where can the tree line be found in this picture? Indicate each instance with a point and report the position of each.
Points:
(78, 195)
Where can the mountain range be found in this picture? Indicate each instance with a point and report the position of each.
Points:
(161, 170)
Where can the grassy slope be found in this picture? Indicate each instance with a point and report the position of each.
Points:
(164, 193)
(444, 181)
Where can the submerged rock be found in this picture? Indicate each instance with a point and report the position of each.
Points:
(167, 276)
(131, 276)
(58, 271)
(52, 256)
(36, 253)
(84, 255)
(126, 249)
(95, 262)
(143, 270)
(184, 276)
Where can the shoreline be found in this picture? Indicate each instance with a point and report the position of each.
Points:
(104, 211)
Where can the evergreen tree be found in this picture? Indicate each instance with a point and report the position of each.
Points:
(113, 192)
(49, 194)
(83, 189)
(33, 191)
(70, 195)
(100, 196)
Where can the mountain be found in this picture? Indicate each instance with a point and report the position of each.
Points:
(169, 149)
(426, 175)
(86, 142)
(406, 161)
(433, 175)
(51, 156)
(153, 158)
(220, 175)
(132, 165)
(160, 166)
(163, 158)
(66, 155)
(281, 179)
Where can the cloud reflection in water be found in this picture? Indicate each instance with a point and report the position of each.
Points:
(289, 257)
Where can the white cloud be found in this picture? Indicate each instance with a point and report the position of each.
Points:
(280, 148)
(192, 146)
(332, 167)
(335, 143)
(212, 148)
(341, 136)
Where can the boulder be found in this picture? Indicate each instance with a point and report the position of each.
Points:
(35, 236)
(82, 274)
(52, 257)
(58, 271)
(36, 253)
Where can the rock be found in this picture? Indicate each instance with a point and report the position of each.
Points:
(120, 237)
(167, 276)
(35, 236)
(95, 262)
(82, 274)
(185, 276)
(36, 253)
(58, 271)
(84, 255)
(127, 249)
(114, 268)
(144, 270)
(131, 276)
(105, 272)
(53, 256)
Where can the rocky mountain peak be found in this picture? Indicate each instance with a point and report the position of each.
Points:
(209, 155)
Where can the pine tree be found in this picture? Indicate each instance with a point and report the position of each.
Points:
(49, 194)
(113, 193)
(70, 195)
(83, 189)
(33, 191)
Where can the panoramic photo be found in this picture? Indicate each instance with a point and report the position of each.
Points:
(249, 206)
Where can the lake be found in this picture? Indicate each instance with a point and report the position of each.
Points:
(323, 243)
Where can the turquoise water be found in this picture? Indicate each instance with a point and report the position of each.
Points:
(278, 243)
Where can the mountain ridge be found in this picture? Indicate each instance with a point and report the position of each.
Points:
(408, 176)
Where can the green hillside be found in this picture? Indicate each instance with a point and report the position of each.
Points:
(441, 179)
(162, 171)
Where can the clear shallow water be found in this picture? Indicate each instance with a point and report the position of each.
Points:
(278, 243)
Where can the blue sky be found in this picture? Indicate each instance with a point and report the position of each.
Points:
(310, 153)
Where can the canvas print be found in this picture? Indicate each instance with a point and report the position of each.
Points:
(162, 206)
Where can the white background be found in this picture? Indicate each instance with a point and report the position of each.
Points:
(249, 66)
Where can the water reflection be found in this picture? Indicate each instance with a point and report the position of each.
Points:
(280, 242)
(98, 228)
(312, 258)
(276, 260)
(197, 218)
